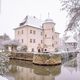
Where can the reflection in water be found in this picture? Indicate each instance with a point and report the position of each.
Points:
(69, 70)
(71, 63)
(48, 70)
(24, 70)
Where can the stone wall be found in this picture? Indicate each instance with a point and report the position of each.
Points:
(45, 59)
(40, 59)
(22, 56)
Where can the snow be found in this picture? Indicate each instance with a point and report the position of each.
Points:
(3, 78)
(10, 42)
(71, 40)
(69, 33)
(32, 21)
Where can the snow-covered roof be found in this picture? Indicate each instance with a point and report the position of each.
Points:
(71, 40)
(31, 21)
(48, 20)
(11, 42)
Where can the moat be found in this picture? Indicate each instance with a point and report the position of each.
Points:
(25, 70)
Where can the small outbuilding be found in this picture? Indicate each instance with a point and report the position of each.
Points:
(10, 45)
(71, 44)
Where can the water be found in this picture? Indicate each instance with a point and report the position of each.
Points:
(25, 70)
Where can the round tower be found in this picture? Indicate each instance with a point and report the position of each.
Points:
(48, 35)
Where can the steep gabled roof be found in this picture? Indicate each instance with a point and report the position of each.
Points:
(31, 21)
(71, 40)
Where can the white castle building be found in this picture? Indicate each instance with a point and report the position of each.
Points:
(38, 36)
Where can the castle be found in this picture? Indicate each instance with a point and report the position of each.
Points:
(38, 36)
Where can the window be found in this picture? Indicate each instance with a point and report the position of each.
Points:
(22, 40)
(45, 35)
(34, 32)
(45, 49)
(18, 32)
(32, 49)
(33, 40)
(74, 44)
(52, 29)
(41, 41)
(22, 31)
(52, 45)
(41, 33)
(30, 31)
(67, 49)
(30, 40)
(39, 50)
(52, 37)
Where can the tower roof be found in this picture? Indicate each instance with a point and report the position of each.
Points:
(49, 20)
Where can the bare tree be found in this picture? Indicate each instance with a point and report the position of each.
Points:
(73, 9)
(24, 48)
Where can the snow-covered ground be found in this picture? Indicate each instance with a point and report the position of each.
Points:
(3, 78)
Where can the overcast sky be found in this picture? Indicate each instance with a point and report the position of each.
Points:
(14, 11)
